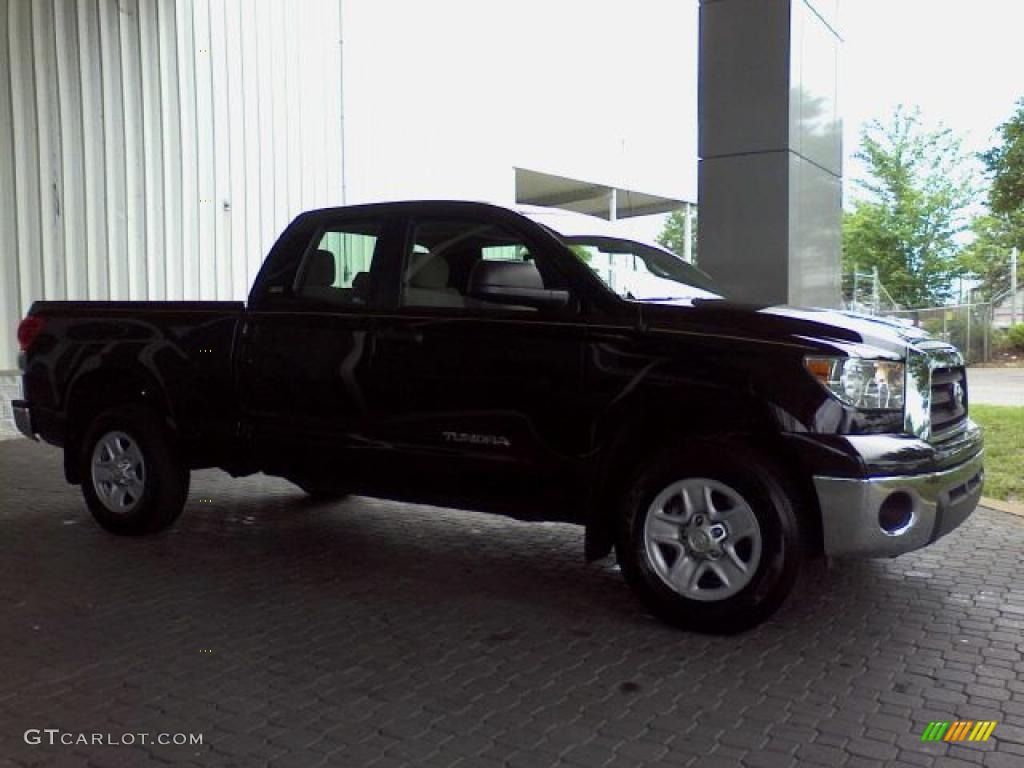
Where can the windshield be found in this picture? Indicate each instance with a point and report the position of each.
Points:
(642, 272)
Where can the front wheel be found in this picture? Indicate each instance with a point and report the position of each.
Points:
(132, 479)
(710, 544)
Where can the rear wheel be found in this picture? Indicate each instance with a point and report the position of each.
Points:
(132, 479)
(710, 544)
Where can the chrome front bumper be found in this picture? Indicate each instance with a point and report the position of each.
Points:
(935, 504)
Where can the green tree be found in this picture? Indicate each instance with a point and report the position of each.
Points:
(673, 233)
(1005, 163)
(910, 210)
(988, 257)
(583, 253)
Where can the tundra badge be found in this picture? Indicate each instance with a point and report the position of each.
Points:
(467, 437)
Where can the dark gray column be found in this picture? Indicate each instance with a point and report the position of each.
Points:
(770, 143)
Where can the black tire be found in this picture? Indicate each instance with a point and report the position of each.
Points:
(780, 551)
(163, 479)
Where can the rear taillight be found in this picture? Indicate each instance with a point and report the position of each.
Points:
(28, 330)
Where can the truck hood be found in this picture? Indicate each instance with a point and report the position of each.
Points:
(813, 328)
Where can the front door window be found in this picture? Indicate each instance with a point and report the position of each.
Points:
(462, 264)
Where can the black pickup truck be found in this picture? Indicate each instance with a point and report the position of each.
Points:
(467, 355)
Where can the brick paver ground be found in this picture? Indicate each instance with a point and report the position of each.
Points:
(371, 633)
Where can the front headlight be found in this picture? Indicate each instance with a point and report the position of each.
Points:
(867, 384)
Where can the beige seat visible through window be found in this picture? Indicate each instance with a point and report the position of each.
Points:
(426, 283)
(320, 275)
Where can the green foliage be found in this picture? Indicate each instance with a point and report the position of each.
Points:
(1014, 338)
(1004, 449)
(1006, 164)
(673, 234)
(582, 253)
(988, 256)
(911, 209)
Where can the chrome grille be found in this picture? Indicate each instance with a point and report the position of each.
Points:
(948, 401)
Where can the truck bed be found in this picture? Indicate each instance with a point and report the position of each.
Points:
(179, 351)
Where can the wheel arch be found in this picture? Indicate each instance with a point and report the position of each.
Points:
(639, 443)
(100, 390)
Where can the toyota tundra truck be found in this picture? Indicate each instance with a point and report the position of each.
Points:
(466, 355)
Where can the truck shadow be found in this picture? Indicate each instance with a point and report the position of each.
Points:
(364, 606)
(264, 534)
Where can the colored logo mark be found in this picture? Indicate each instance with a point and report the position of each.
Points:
(960, 730)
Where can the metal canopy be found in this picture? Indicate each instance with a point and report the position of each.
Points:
(607, 202)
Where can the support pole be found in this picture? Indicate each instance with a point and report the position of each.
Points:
(986, 318)
(1013, 286)
(874, 290)
(688, 233)
(967, 341)
(770, 144)
(341, 98)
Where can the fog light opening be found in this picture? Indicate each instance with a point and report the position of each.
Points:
(896, 513)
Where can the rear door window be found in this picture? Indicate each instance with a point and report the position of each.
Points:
(338, 267)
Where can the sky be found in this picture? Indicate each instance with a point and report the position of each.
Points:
(449, 100)
(960, 61)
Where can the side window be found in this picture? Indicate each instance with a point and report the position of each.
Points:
(337, 267)
(466, 264)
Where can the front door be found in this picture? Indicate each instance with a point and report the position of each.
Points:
(482, 363)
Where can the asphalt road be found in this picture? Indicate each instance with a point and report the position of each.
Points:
(996, 386)
(290, 633)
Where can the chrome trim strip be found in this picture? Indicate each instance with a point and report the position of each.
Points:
(917, 395)
(923, 358)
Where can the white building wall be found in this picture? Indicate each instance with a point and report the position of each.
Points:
(450, 100)
(154, 149)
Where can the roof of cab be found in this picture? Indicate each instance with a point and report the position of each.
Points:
(562, 222)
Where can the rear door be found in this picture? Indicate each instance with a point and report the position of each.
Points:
(483, 390)
(304, 366)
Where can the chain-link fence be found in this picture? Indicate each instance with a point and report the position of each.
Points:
(864, 292)
(970, 326)
(966, 326)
